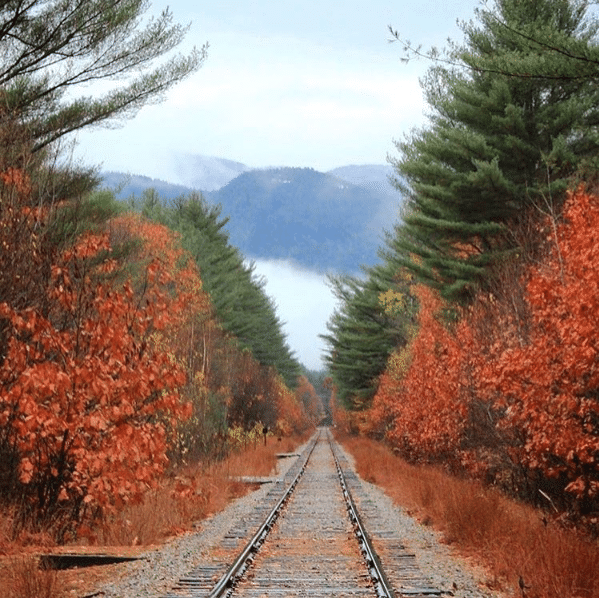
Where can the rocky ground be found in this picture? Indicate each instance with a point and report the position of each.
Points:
(157, 568)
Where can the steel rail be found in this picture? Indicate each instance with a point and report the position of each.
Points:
(381, 583)
(245, 558)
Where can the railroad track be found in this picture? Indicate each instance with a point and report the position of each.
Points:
(316, 535)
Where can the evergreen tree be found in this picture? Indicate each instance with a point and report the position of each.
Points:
(362, 333)
(496, 144)
(241, 304)
(49, 48)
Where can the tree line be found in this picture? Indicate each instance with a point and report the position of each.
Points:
(476, 349)
(130, 340)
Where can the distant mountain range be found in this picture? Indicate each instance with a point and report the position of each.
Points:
(325, 221)
(126, 185)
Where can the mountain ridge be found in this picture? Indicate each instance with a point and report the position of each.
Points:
(320, 220)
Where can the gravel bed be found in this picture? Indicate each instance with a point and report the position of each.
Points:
(453, 575)
(156, 572)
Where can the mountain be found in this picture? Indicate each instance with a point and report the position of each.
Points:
(126, 185)
(325, 221)
(370, 176)
(375, 178)
(192, 171)
(316, 219)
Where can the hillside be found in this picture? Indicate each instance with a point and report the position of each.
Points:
(316, 219)
(126, 185)
(324, 221)
(207, 173)
(375, 178)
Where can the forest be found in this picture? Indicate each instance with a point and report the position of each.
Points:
(135, 338)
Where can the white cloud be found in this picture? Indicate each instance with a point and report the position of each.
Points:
(271, 102)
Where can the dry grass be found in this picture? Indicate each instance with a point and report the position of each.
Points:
(190, 495)
(22, 578)
(184, 499)
(510, 539)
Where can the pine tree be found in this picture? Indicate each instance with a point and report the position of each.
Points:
(496, 144)
(362, 333)
(50, 48)
(240, 302)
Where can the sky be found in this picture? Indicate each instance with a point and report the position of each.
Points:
(302, 83)
(312, 83)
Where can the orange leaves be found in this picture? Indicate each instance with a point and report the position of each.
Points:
(16, 178)
(422, 404)
(551, 384)
(85, 395)
(515, 388)
(86, 246)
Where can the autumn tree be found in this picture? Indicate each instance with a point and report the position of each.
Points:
(240, 302)
(496, 146)
(508, 393)
(85, 393)
(548, 383)
(311, 400)
(51, 48)
(92, 364)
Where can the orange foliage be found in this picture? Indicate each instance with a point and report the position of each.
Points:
(16, 178)
(426, 404)
(97, 377)
(502, 391)
(549, 386)
(306, 394)
(291, 415)
(251, 393)
(84, 395)
(178, 269)
(191, 336)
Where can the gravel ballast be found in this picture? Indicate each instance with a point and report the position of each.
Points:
(157, 571)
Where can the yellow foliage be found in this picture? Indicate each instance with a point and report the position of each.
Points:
(392, 302)
(399, 362)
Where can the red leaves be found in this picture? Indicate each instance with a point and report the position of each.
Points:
(16, 178)
(86, 406)
(532, 379)
(424, 404)
(551, 385)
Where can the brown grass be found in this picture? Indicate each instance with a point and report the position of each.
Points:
(185, 498)
(511, 540)
(190, 495)
(22, 578)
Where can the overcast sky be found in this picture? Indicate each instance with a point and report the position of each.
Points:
(303, 83)
(297, 83)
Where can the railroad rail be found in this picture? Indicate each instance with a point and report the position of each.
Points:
(308, 538)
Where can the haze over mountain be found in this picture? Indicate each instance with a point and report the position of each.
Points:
(339, 219)
(206, 172)
(126, 185)
(321, 221)
(315, 219)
